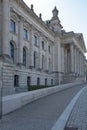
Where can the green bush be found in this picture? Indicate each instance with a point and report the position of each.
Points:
(35, 87)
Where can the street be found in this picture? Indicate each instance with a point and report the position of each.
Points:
(40, 114)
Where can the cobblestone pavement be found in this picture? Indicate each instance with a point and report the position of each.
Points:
(78, 117)
(40, 114)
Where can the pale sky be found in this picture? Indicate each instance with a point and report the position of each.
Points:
(72, 13)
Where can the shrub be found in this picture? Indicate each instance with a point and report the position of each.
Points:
(35, 87)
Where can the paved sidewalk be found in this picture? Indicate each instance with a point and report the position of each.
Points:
(41, 114)
(78, 117)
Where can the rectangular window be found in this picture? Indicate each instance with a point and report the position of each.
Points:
(12, 26)
(51, 81)
(25, 34)
(38, 81)
(43, 45)
(42, 61)
(35, 40)
(46, 82)
(28, 81)
(49, 49)
(34, 59)
(16, 80)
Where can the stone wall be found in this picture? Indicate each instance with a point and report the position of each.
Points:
(0, 23)
(9, 71)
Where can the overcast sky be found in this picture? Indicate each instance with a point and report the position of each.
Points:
(72, 13)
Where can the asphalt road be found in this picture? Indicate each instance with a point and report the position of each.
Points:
(40, 114)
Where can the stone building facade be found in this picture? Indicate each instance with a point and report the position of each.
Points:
(36, 52)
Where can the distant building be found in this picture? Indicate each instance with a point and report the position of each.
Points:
(36, 52)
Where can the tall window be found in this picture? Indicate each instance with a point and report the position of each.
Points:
(51, 81)
(43, 45)
(12, 51)
(49, 49)
(35, 40)
(34, 59)
(24, 56)
(25, 34)
(38, 81)
(16, 80)
(45, 81)
(12, 26)
(42, 61)
(28, 81)
(49, 64)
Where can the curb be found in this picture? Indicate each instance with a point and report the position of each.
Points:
(13, 102)
(61, 122)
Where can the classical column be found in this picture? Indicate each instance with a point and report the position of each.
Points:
(47, 62)
(31, 48)
(40, 52)
(75, 59)
(62, 58)
(65, 60)
(78, 60)
(72, 57)
(81, 64)
(53, 58)
(5, 28)
(20, 41)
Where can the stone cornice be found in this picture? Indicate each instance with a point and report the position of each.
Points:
(72, 35)
(23, 5)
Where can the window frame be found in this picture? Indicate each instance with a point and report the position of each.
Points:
(12, 26)
(35, 40)
(25, 33)
(49, 48)
(16, 80)
(43, 45)
(34, 59)
(12, 51)
(24, 56)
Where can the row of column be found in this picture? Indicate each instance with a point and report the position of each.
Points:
(77, 60)
(72, 61)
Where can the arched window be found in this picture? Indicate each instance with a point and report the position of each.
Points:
(24, 56)
(12, 51)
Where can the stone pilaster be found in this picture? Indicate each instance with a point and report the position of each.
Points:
(62, 59)
(20, 41)
(0, 75)
(59, 57)
(0, 25)
(40, 52)
(72, 57)
(47, 66)
(31, 48)
(75, 59)
(80, 63)
(53, 58)
(5, 30)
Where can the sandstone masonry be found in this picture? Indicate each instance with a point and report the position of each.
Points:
(36, 52)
